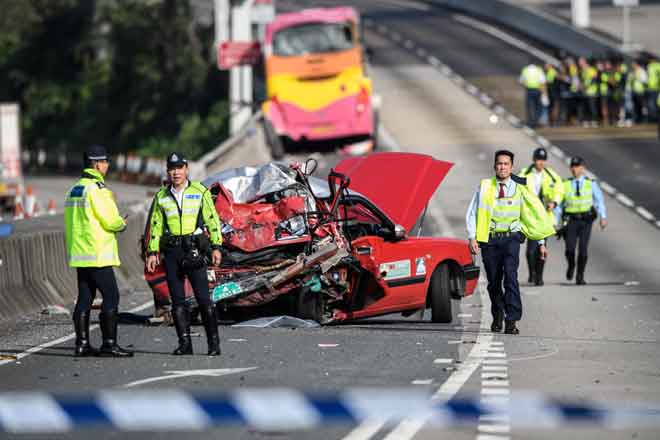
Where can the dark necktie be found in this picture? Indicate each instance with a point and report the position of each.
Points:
(577, 188)
(501, 194)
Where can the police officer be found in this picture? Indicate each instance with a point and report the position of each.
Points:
(92, 220)
(582, 203)
(179, 211)
(548, 186)
(501, 214)
(533, 80)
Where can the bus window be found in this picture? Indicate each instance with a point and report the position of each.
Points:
(313, 38)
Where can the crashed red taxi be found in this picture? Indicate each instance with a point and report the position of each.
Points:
(339, 248)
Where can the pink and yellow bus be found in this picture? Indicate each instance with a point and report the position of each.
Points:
(316, 83)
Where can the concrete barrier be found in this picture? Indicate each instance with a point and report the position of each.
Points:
(544, 28)
(34, 272)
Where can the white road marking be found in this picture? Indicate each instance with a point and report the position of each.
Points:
(443, 361)
(495, 348)
(422, 382)
(495, 391)
(495, 429)
(625, 200)
(492, 354)
(509, 39)
(464, 315)
(609, 189)
(186, 373)
(68, 337)
(365, 430)
(495, 362)
(492, 437)
(494, 374)
(494, 368)
(496, 343)
(645, 214)
(494, 383)
(454, 342)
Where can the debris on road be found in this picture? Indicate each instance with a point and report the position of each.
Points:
(55, 310)
(283, 321)
(8, 357)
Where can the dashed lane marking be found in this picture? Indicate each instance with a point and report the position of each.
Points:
(68, 337)
(625, 200)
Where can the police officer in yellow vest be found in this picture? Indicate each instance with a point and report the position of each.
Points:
(179, 213)
(533, 80)
(548, 186)
(582, 203)
(501, 214)
(91, 221)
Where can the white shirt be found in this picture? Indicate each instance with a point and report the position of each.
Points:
(178, 195)
(538, 180)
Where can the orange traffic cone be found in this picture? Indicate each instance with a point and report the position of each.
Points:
(30, 202)
(51, 207)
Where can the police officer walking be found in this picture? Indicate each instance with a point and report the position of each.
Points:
(501, 214)
(179, 211)
(582, 203)
(548, 186)
(91, 221)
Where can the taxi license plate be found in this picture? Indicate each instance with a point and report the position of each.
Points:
(226, 290)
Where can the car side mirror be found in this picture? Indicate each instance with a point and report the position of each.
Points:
(400, 232)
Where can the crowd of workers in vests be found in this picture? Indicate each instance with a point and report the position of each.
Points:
(593, 92)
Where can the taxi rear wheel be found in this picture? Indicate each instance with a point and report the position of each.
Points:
(440, 295)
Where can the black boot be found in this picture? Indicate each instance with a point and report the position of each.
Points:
(570, 258)
(181, 318)
(510, 328)
(110, 348)
(540, 265)
(532, 268)
(498, 320)
(81, 326)
(582, 265)
(210, 321)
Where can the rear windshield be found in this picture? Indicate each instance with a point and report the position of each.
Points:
(313, 38)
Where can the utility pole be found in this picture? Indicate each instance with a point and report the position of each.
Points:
(580, 13)
(240, 79)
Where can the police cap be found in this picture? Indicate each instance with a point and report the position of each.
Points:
(540, 154)
(96, 152)
(576, 161)
(175, 160)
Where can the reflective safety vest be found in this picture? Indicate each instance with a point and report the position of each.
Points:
(91, 221)
(636, 83)
(551, 184)
(653, 69)
(589, 77)
(574, 203)
(604, 84)
(524, 211)
(551, 75)
(196, 210)
(532, 77)
(575, 80)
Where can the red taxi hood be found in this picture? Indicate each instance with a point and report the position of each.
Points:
(400, 184)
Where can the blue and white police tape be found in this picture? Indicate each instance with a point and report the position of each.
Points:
(286, 409)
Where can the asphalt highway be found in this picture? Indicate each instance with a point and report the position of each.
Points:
(594, 342)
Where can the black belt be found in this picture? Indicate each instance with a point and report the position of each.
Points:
(580, 216)
(177, 241)
(504, 234)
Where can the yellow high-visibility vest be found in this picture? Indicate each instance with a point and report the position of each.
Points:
(574, 204)
(532, 77)
(91, 221)
(551, 184)
(528, 211)
(167, 216)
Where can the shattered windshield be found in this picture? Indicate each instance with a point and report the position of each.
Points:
(313, 38)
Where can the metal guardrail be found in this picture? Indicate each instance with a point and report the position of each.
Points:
(540, 27)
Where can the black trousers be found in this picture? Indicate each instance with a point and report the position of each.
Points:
(532, 252)
(501, 259)
(176, 277)
(91, 279)
(578, 233)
